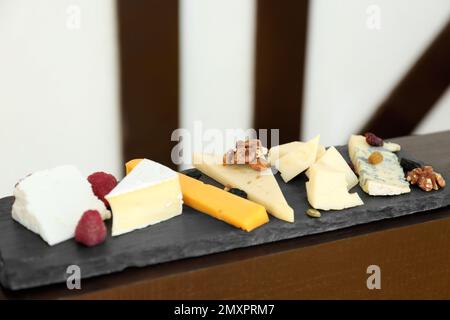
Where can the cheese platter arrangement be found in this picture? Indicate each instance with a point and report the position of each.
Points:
(248, 196)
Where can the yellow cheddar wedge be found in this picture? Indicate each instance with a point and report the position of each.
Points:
(222, 205)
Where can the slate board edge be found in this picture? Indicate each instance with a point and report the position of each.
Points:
(12, 282)
(14, 285)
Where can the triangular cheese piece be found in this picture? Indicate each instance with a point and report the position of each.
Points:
(385, 178)
(327, 190)
(149, 194)
(295, 162)
(283, 149)
(260, 186)
(333, 160)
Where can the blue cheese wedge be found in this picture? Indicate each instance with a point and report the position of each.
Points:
(382, 179)
(51, 202)
(149, 194)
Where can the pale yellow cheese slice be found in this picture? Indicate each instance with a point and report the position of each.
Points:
(333, 160)
(297, 161)
(327, 190)
(260, 186)
(283, 149)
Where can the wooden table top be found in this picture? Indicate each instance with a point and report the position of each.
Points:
(412, 252)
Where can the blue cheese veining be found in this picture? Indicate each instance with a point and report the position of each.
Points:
(385, 178)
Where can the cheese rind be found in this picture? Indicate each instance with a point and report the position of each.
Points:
(51, 202)
(222, 205)
(130, 165)
(260, 186)
(327, 190)
(333, 160)
(149, 194)
(385, 178)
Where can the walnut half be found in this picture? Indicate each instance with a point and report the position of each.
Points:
(425, 178)
(249, 152)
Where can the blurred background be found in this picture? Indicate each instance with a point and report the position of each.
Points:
(95, 83)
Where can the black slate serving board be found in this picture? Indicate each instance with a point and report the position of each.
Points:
(26, 261)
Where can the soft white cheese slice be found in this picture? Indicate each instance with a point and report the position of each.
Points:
(149, 194)
(283, 149)
(327, 190)
(51, 202)
(296, 161)
(333, 160)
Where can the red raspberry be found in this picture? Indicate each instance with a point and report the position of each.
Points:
(102, 184)
(91, 229)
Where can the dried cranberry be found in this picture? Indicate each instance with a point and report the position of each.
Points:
(373, 140)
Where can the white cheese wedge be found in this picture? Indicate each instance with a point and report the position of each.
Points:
(327, 190)
(333, 160)
(385, 178)
(261, 186)
(51, 202)
(149, 194)
(295, 162)
(277, 152)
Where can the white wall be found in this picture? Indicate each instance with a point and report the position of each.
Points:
(351, 68)
(59, 84)
(217, 48)
(58, 87)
